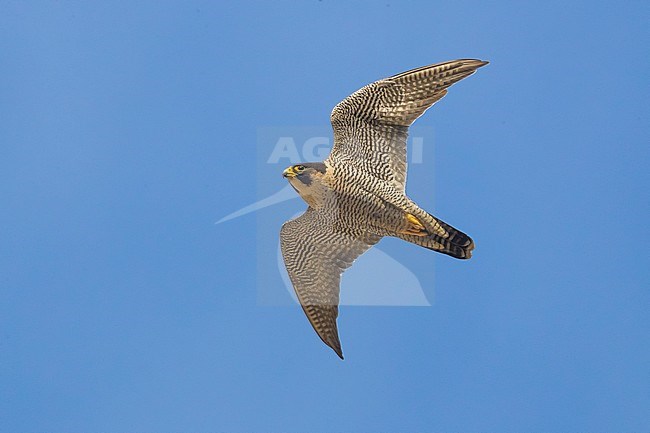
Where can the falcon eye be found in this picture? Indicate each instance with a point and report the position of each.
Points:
(300, 167)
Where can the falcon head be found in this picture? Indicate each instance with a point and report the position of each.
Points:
(307, 180)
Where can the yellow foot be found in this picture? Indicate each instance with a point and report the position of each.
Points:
(413, 226)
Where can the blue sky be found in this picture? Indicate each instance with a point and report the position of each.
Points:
(127, 129)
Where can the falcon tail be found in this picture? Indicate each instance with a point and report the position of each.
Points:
(457, 244)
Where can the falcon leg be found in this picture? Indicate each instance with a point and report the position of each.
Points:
(413, 226)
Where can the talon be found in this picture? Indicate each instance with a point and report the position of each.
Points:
(413, 220)
(415, 227)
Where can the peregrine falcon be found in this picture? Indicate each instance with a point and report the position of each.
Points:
(357, 195)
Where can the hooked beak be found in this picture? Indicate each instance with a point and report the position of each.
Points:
(288, 173)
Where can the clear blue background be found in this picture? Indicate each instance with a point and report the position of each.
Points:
(128, 128)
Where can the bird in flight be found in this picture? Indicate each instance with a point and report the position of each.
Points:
(357, 195)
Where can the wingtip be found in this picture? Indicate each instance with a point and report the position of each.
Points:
(336, 347)
(476, 63)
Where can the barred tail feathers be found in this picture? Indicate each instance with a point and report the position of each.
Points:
(443, 238)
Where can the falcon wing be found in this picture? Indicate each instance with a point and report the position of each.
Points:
(316, 254)
(371, 125)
